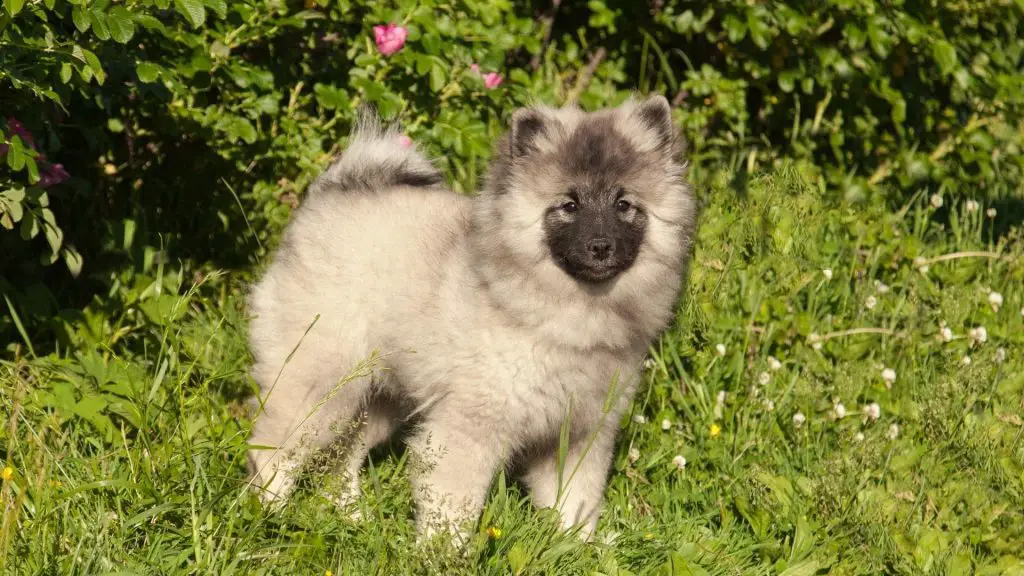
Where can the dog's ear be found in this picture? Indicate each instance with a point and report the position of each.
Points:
(655, 115)
(529, 127)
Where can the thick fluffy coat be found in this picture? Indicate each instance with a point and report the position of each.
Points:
(495, 322)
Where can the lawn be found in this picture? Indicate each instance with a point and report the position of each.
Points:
(845, 386)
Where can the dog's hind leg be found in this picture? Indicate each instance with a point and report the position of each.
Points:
(305, 414)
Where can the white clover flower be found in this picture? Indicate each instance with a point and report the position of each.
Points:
(881, 287)
(799, 419)
(936, 201)
(769, 404)
(870, 302)
(1001, 355)
(947, 334)
(639, 419)
(991, 212)
(634, 455)
(971, 206)
(889, 376)
(763, 378)
(838, 411)
(815, 340)
(859, 437)
(893, 433)
(774, 364)
(978, 335)
(666, 424)
(720, 349)
(827, 273)
(966, 360)
(995, 299)
(679, 462)
(872, 411)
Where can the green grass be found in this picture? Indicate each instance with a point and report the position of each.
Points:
(127, 451)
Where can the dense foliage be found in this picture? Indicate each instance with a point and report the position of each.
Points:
(179, 133)
(862, 166)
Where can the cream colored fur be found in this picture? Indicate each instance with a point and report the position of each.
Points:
(481, 341)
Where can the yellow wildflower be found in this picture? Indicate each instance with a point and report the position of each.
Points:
(494, 532)
(8, 473)
(716, 430)
(328, 573)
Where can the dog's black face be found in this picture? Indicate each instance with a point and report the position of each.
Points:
(595, 230)
(596, 233)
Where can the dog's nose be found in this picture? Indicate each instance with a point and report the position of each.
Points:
(601, 248)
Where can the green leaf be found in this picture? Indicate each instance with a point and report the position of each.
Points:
(437, 77)
(16, 195)
(219, 7)
(13, 6)
(29, 226)
(122, 28)
(73, 260)
(11, 208)
(192, 10)
(805, 568)
(237, 127)
(65, 72)
(33, 169)
(81, 19)
(679, 565)
(147, 71)
(787, 80)
(16, 154)
(54, 235)
(162, 309)
(735, 28)
(945, 56)
(99, 25)
(759, 31)
(91, 60)
(431, 43)
(330, 97)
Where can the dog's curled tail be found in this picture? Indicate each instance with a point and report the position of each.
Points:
(377, 157)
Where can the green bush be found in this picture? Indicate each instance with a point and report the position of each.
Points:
(189, 128)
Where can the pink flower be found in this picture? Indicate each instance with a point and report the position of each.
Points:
(404, 141)
(52, 174)
(18, 129)
(492, 80)
(390, 38)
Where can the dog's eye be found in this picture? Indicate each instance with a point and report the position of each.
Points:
(623, 206)
(570, 207)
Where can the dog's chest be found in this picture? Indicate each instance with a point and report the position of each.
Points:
(543, 389)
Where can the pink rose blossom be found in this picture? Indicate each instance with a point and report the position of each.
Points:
(52, 174)
(492, 80)
(390, 38)
(404, 141)
(18, 129)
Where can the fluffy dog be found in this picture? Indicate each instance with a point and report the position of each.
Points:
(498, 324)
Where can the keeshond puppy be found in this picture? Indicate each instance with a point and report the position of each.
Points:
(508, 329)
